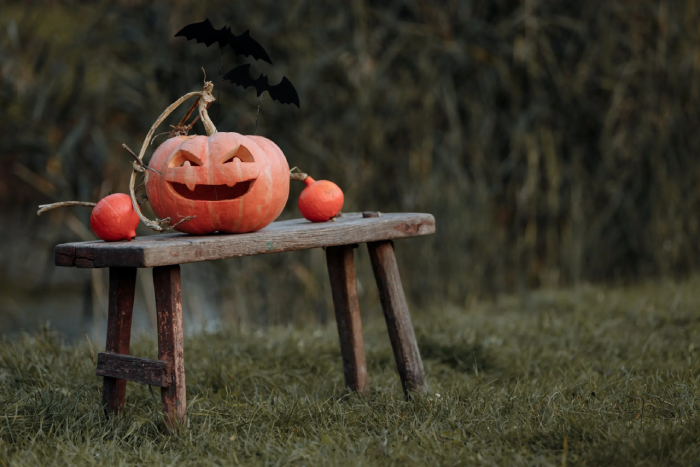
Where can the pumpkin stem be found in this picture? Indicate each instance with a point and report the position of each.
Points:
(298, 177)
(206, 99)
(296, 174)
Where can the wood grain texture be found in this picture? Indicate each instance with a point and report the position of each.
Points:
(65, 260)
(166, 281)
(297, 234)
(122, 284)
(140, 370)
(398, 319)
(341, 270)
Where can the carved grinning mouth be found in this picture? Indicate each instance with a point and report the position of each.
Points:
(212, 192)
(183, 176)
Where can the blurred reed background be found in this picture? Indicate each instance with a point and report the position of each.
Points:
(555, 142)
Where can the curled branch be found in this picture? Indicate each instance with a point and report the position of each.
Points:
(205, 98)
(181, 128)
(139, 166)
(63, 204)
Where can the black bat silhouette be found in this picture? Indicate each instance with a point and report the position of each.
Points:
(241, 45)
(283, 92)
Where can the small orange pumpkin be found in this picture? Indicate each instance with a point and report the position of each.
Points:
(113, 218)
(321, 200)
(230, 182)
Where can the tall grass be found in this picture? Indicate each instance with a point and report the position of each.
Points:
(592, 376)
(555, 142)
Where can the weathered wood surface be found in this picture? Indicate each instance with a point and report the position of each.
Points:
(341, 269)
(140, 370)
(398, 320)
(297, 234)
(166, 281)
(122, 284)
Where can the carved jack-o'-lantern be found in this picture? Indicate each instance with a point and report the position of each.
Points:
(230, 182)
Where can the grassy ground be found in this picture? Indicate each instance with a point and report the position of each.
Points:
(590, 376)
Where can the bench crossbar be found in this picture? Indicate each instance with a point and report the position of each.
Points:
(140, 370)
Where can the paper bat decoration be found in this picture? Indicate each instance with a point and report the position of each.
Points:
(241, 45)
(283, 92)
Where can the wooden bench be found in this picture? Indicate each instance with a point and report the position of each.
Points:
(164, 253)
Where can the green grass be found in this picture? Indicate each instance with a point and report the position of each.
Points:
(590, 376)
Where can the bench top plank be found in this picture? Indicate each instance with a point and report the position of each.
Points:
(295, 234)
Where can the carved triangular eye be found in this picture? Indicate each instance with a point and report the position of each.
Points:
(184, 159)
(241, 152)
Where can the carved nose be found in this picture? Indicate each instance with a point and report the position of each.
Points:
(188, 175)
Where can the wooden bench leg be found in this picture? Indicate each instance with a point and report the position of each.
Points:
(398, 320)
(341, 269)
(166, 280)
(122, 283)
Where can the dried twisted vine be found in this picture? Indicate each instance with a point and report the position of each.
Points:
(63, 204)
(205, 98)
(181, 129)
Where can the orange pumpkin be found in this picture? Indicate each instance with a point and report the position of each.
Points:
(321, 200)
(230, 182)
(113, 218)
